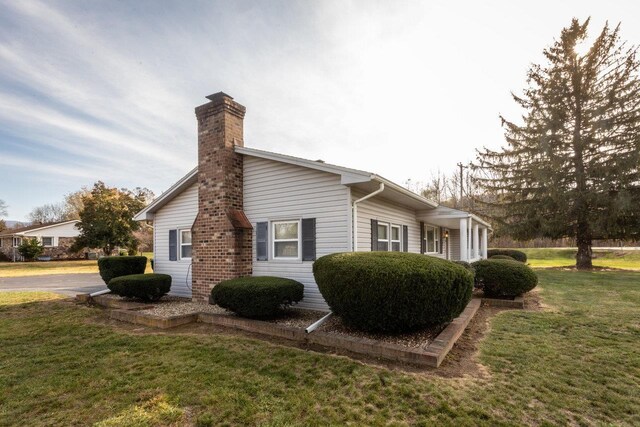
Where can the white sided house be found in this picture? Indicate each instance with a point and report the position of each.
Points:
(244, 212)
(56, 237)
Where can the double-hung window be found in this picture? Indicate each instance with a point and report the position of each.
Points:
(47, 241)
(383, 237)
(17, 241)
(395, 238)
(185, 244)
(286, 239)
(432, 239)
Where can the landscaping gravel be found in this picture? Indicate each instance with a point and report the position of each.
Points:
(297, 317)
(417, 339)
(177, 308)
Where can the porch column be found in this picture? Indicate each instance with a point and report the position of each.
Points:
(485, 243)
(476, 240)
(464, 240)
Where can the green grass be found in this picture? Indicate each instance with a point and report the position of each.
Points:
(560, 257)
(38, 268)
(577, 362)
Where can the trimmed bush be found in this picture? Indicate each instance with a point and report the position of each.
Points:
(502, 257)
(257, 296)
(504, 278)
(116, 266)
(466, 265)
(147, 287)
(392, 291)
(517, 255)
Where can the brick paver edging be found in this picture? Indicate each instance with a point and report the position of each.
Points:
(431, 356)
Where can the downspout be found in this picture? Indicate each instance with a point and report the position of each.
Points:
(355, 214)
(317, 324)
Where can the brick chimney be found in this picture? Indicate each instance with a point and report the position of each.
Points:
(220, 251)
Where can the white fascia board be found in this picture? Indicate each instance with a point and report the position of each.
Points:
(404, 191)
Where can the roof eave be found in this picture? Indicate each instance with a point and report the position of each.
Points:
(404, 191)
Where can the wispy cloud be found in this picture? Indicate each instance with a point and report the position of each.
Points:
(106, 90)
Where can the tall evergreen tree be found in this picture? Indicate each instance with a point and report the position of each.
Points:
(570, 167)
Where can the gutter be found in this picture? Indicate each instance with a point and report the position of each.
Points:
(355, 214)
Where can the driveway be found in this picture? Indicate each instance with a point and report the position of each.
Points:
(65, 284)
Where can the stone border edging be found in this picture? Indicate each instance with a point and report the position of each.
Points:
(431, 356)
(517, 302)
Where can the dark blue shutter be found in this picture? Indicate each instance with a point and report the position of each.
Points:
(374, 235)
(405, 238)
(309, 239)
(441, 241)
(262, 241)
(173, 245)
(423, 245)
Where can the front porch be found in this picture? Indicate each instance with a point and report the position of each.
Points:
(469, 234)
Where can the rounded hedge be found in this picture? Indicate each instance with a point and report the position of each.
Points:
(504, 278)
(147, 287)
(466, 265)
(392, 291)
(263, 296)
(116, 266)
(502, 257)
(517, 255)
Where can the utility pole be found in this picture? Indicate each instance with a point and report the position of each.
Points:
(461, 166)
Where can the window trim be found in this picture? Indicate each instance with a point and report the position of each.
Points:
(297, 240)
(388, 239)
(47, 237)
(398, 241)
(436, 239)
(181, 244)
(18, 239)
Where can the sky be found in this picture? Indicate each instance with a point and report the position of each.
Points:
(106, 90)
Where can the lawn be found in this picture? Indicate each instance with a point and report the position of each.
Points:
(38, 268)
(556, 257)
(576, 362)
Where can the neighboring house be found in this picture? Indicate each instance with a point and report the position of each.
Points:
(56, 237)
(246, 212)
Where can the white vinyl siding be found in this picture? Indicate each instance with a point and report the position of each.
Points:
(178, 214)
(386, 212)
(275, 191)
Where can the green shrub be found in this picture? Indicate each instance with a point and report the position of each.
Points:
(147, 287)
(502, 257)
(466, 265)
(257, 296)
(392, 291)
(30, 249)
(116, 266)
(504, 278)
(517, 255)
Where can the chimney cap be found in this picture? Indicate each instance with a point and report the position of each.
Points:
(218, 96)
